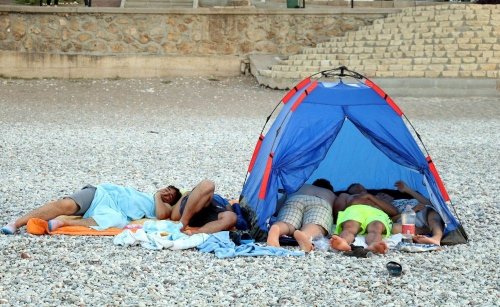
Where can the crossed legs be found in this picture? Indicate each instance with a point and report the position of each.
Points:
(49, 211)
(436, 225)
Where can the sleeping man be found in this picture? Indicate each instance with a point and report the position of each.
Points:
(111, 205)
(305, 214)
(101, 207)
(203, 211)
(361, 212)
(428, 221)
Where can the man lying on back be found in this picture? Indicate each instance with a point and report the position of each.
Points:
(360, 213)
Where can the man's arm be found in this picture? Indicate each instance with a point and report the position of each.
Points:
(382, 205)
(162, 210)
(403, 187)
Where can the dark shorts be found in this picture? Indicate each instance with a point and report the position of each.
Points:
(206, 215)
(83, 198)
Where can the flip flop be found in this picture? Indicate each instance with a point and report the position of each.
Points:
(288, 241)
(358, 252)
(395, 269)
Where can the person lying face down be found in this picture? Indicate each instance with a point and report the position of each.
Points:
(360, 213)
(101, 207)
(305, 214)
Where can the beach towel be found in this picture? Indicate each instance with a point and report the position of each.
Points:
(38, 226)
(157, 235)
(221, 245)
(392, 241)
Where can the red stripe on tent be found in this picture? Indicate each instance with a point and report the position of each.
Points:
(382, 94)
(296, 88)
(255, 152)
(265, 178)
(439, 182)
(304, 94)
(394, 106)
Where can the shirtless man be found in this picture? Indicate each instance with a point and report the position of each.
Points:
(427, 219)
(361, 212)
(306, 214)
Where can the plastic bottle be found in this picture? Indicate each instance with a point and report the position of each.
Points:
(408, 218)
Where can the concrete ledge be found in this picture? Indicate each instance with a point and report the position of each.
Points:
(324, 10)
(45, 65)
(440, 87)
(415, 87)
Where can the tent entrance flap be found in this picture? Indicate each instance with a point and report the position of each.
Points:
(353, 158)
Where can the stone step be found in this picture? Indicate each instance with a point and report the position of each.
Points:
(401, 46)
(425, 29)
(445, 41)
(422, 58)
(382, 71)
(393, 63)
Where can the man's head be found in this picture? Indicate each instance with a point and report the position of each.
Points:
(170, 195)
(385, 197)
(323, 183)
(356, 188)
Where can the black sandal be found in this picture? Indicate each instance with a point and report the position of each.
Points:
(395, 269)
(358, 252)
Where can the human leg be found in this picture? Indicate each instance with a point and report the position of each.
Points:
(305, 235)
(436, 225)
(54, 223)
(289, 219)
(278, 229)
(199, 198)
(226, 220)
(374, 238)
(317, 221)
(349, 230)
(48, 211)
(75, 204)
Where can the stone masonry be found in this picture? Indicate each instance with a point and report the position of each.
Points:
(445, 41)
(172, 33)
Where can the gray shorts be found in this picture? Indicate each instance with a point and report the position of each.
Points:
(83, 198)
(300, 210)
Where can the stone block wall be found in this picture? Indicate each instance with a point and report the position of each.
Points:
(178, 32)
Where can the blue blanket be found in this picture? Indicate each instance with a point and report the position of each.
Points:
(221, 245)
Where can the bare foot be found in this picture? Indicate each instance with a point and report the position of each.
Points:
(184, 225)
(303, 240)
(339, 244)
(379, 247)
(426, 240)
(54, 224)
(273, 236)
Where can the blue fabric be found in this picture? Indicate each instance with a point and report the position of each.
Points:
(221, 245)
(346, 134)
(116, 206)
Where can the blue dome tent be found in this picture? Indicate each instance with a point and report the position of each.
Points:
(346, 133)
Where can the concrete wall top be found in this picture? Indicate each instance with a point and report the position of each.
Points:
(323, 10)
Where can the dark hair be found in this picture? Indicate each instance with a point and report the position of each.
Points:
(354, 185)
(323, 183)
(177, 196)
